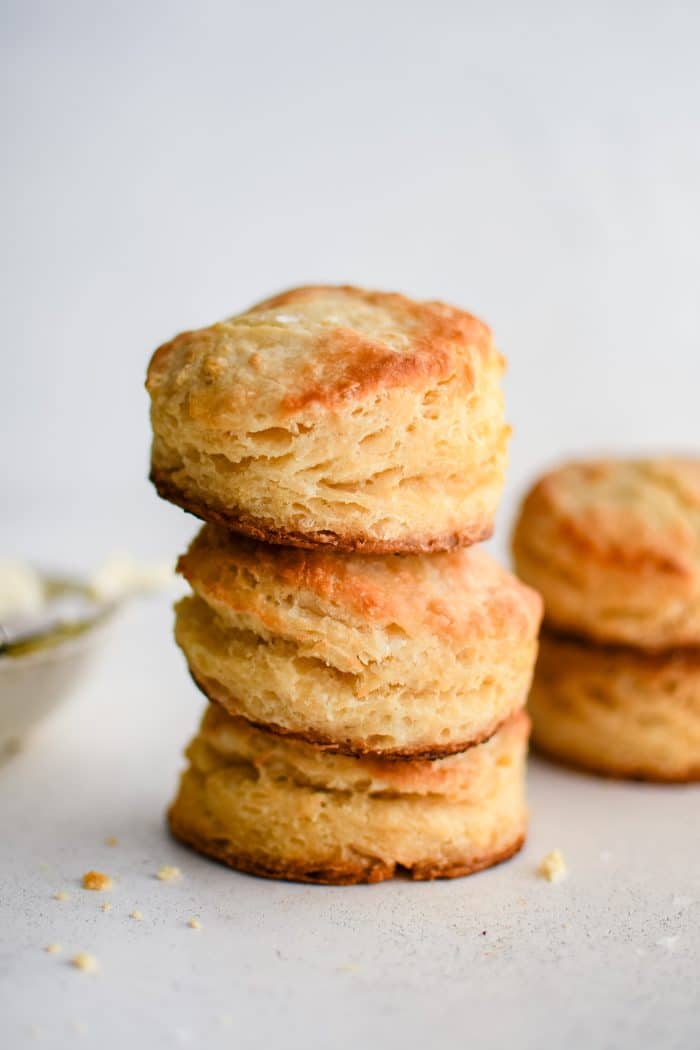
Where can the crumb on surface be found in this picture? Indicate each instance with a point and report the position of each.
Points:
(96, 880)
(168, 873)
(85, 962)
(53, 948)
(111, 840)
(61, 896)
(552, 867)
(194, 924)
(136, 914)
(106, 906)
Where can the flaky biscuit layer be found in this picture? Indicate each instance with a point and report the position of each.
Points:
(288, 810)
(616, 710)
(334, 416)
(402, 655)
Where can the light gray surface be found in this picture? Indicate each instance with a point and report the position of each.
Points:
(610, 957)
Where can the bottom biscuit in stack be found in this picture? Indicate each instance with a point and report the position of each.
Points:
(282, 808)
(616, 710)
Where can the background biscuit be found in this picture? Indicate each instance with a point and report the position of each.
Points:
(618, 711)
(614, 549)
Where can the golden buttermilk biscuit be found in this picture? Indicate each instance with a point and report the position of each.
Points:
(400, 655)
(618, 711)
(285, 809)
(334, 416)
(614, 549)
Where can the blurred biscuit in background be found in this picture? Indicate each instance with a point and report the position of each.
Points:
(618, 711)
(613, 546)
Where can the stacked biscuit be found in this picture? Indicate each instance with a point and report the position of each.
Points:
(366, 668)
(614, 548)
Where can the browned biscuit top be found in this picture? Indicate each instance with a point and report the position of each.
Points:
(311, 348)
(460, 595)
(641, 513)
(614, 548)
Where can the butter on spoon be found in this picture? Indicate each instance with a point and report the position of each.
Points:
(32, 607)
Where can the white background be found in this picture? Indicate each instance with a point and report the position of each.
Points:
(167, 164)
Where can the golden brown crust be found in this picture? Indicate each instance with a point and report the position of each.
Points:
(214, 692)
(371, 871)
(380, 340)
(617, 711)
(614, 548)
(385, 654)
(285, 809)
(359, 543)
(334, 416)
(459, 595)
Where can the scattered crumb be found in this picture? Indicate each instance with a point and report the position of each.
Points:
(194, 924)
(552, 867)
(61, 896)
(168, 873)
(53, 949)
(111, 840)
(136, 914)
(85, 962)
(96, 880)
(350, 968)
(106, 906)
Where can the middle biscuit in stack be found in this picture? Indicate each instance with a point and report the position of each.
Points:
(412, 656)
(367, 679)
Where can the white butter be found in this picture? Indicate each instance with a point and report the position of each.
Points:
(21, 590)
(121, 576)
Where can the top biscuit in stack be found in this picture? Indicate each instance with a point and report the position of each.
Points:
(334, 416)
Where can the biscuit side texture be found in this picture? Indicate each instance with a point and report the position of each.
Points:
(618, 711)
(285, 809)
(391, 654)
(334, 416)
